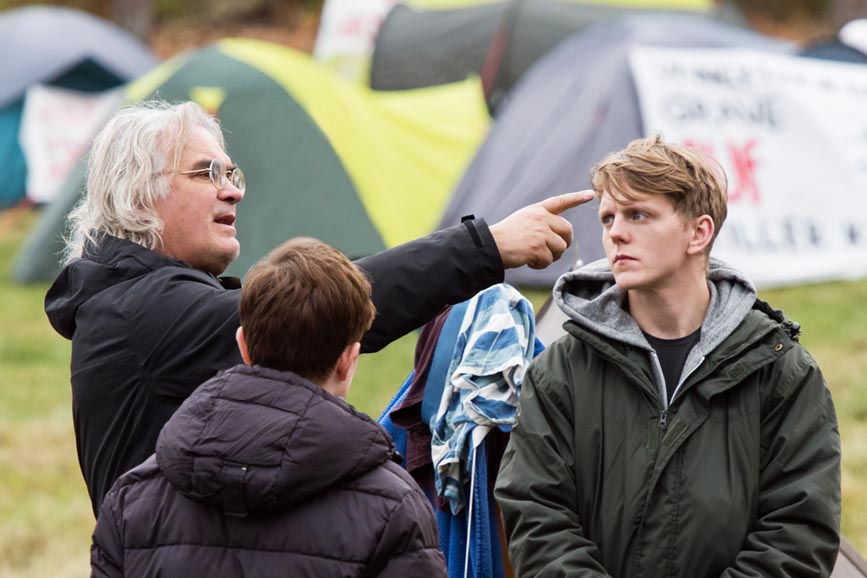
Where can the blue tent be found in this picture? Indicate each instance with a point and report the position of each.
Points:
(60, 47)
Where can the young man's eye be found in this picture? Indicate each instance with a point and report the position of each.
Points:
(638, 216)
(606, 219)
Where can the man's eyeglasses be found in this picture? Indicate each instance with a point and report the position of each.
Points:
(220, 175)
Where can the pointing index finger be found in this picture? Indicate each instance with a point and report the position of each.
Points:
(560, 203)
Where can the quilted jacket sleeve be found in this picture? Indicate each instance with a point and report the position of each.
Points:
(536, 488)
(409, 545)
(106, 550)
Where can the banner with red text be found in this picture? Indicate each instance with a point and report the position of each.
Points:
(791, 134)
(57, 126)
(347, 29)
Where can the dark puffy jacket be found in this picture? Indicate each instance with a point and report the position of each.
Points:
(147, 330)
(262, 473)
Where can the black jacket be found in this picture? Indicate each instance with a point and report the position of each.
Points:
(147, 330)
(262, 473)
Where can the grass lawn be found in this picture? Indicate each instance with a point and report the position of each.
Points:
(46, 519)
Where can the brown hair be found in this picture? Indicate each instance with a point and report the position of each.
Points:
(302, 305)
(692, 179)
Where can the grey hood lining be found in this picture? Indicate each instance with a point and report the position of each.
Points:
(590, 297)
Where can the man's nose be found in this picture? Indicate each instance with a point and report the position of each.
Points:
(617, 230)
(231, 194)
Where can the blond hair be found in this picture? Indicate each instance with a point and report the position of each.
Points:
(692, 179)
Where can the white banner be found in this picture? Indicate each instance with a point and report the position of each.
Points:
(791, 134)
(57, 126)
(347, 31)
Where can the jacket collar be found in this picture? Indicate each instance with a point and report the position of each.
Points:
(104, 264)
(257, 439)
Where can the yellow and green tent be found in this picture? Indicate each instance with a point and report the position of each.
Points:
(360, 170)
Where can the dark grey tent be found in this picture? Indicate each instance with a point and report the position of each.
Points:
(415, 48)
(60, 47)
(499, 41)
(572, 108)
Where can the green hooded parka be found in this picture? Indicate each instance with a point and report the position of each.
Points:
(739, 476)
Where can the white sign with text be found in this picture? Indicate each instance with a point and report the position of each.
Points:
(791, 134)
(347, 33)
(57, 126)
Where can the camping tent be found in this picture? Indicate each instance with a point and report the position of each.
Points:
(347, 28)
(499, 40)
(572, 108)
(59, 47)
(323, 158)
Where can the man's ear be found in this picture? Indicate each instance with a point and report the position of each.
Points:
(242, 345)
(346, 363)
(702, 235)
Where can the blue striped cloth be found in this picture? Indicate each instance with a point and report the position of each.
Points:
(494, 347)
(482, 538)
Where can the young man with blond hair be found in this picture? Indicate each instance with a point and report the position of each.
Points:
(679, 430)
(264, 469)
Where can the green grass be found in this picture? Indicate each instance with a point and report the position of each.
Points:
(45, 517)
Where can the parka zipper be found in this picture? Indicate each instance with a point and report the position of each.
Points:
(663, 419)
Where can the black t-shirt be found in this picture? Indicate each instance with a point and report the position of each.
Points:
(672, 355)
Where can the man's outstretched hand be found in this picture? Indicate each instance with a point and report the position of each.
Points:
(537, 235)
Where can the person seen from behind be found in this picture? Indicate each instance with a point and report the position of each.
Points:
(265, 469)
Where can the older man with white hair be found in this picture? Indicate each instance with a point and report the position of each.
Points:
(142, 302)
